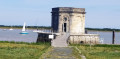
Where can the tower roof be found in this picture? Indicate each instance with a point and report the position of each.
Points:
(68, 10)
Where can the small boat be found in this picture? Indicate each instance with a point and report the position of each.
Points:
(4, 29)
(23, 29)
(37, 31)
(11, 28)
(24, 33)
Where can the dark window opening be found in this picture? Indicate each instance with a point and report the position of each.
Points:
(81, 42)
(65, 19)
(62, 27)
(65, 25)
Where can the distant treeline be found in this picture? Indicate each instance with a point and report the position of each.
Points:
(49, 27)
(102, 29)
(20, 26)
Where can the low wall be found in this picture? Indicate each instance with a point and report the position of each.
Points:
(84, 39)
(44, 37)
(73, 39)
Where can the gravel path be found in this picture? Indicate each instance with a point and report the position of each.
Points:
(59, 53)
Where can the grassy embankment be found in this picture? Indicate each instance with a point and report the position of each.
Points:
(20, 50)
(99, 51)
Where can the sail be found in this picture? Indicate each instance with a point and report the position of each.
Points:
(24, 27)
(11, 28)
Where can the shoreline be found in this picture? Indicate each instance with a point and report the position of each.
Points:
(20, 28)
(50, 29)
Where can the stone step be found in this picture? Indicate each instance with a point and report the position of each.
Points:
(60, 41)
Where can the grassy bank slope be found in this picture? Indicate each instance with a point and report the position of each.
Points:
(100, 51)
(22, 50)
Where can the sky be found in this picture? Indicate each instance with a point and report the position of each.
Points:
(100, 13)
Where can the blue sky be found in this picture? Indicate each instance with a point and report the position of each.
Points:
(100, 13)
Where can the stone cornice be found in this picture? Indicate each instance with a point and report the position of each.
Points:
(68, 10)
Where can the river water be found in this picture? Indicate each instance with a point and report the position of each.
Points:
(106, 36)
(13, 35)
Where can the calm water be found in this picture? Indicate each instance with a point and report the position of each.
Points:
(32, 37)
(14, 35)
(107, 36)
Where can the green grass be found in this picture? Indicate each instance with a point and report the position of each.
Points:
(100, 51)
(76, 53)
(21, 50)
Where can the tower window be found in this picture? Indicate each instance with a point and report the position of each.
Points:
(65, 19)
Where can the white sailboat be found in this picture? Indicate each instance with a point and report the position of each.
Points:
(4, 29)
(23, 29)
(37, 30)
(11, 28)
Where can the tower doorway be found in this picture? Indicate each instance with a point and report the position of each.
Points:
(65, 27)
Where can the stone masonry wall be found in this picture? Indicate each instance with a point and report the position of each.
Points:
(84, 39)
